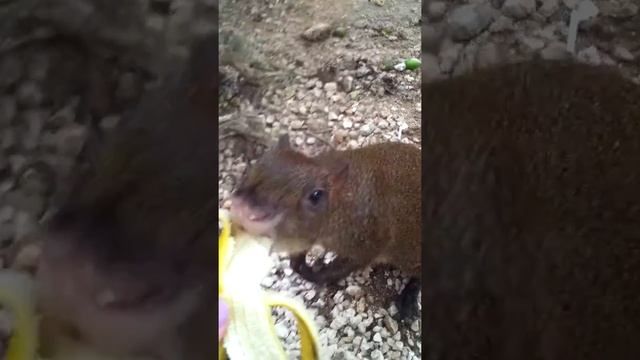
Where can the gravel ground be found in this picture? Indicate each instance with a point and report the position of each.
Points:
(328, 89)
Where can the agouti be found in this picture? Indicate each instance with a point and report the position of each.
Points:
(128, 263)
(362, 204)
(532, 214)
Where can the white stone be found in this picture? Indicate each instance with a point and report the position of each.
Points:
(377, 337)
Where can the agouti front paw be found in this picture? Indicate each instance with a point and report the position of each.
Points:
(407, 302)
(298, 264)
(324, 274)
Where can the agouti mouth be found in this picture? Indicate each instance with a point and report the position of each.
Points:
(108, 300)
(254, 220)
(260, 217)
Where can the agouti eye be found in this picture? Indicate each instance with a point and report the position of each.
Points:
(316, 196)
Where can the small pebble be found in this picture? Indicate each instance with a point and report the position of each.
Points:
(467, 21)
(338, 323)
(310, 295)
(354, 291)
(331, 87)
(317, 32)
(366, 130)
(8, 109)
(436, 10)
(377, 355)
(27, 257)
(377, 337)
(518, 9)
(415, 326)
(30, 94)
(622, 53)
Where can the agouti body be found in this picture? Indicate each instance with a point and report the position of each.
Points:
(532, 209)
(129, 259)
(362, 204)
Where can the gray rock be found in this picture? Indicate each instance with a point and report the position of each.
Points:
(467, 21)
(466, 63)
(310, 295)
(549, 7)
(27, 257)
(590, 55)
(38, 66)
(571, 4)
(618, 9)
(7, 234)
(393, 355)
(502, 24)
(532, 43)
(622, 53)
(34, 121)
(449, 56)
(25, 224)
(64, 116)
(108, 123)
(518, 9)
(488, 54)
(338, 323)
(8, 140)
(377, 355)
(7, 109)
(415, 326)
(347, 84)
(35, 182)
(10, 71)
(5, 167)
(331, 87)
(436, 10)
(430, 67)
(354, 291)
(317, 32)
(496, 3)
(281, 330)
(129, 87)
(71, 139)
(31, 204)
(555, 51)
(432, 37)
(366, 130)
(377, 337)
(391, 324)
(17, 161)
(29, 94)
(6, 213)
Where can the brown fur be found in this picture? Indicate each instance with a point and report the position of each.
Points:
(532, 207)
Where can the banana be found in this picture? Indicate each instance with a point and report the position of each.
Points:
(244, 261)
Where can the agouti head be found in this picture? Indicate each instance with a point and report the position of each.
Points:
(289, 197)
(127, 259)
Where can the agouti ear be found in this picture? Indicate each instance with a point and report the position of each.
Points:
(338, 175)
(283, 142)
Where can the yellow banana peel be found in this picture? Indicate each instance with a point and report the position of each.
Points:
(244, 262)
(17, 295)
